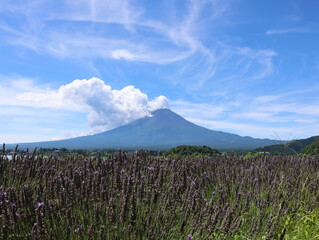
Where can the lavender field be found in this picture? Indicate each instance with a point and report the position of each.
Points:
(139, 196)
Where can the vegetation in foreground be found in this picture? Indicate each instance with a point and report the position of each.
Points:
(139, 196)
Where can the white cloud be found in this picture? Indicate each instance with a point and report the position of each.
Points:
(267, 98)
(107, 108)
(122, 53)
(259, 131)
(157, 103)
(74, 134)
(287, 30)
(16, 82)
(176, 39)
(259, 116)
(306, 121)
(292, 108)
(255, 116)
(244, 129)
(85, 42)
(21, 138)
(12, 85)
(185, 108)
(95, 10)
(262, 57)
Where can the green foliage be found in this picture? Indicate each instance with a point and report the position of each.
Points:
(186, 150)
(289, 148)
(311, 149)
(302, 225)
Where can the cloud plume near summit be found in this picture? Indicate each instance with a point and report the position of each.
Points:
(107, 108)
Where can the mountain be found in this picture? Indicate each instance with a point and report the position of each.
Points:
(289, 148)
(163, 130)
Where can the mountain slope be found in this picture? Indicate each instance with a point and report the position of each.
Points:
(164, 129)
(312, 149)
(290, 148)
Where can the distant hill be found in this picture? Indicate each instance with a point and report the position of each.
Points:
(163, 130)
(312, 149)
(289, 148)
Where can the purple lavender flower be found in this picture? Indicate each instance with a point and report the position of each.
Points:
(40, 204)
(190, 236)
(78, 229)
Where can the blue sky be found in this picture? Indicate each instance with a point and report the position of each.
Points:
(71, 68)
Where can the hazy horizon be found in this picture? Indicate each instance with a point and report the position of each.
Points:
(72, 68)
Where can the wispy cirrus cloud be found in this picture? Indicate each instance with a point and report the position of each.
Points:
(247, 129)
(185, 108)
(123, 31)
(287, 31)
(262, 57)
(285, 112)
(86, 42)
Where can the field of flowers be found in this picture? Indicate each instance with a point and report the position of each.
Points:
(139, 196)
